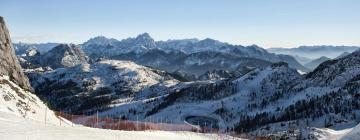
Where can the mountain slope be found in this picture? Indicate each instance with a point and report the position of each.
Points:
(314, 63)
(342, 55)
(63, 55)
(328, 95)
(88, 87)
(354, 134)
(338, 71)
(22, 103)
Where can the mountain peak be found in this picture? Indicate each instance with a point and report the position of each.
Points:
(64, 55)
(208, 42)
(100, 40)
(99, 37)
(145, 40)
(144, 35)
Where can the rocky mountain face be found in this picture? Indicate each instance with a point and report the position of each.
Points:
(63, 55)
(9, 64)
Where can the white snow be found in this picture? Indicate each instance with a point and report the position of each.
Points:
(18, 128)
(19, 102)
(18, 124)
(350, 134)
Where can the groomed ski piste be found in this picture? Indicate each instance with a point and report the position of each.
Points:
(19, 128)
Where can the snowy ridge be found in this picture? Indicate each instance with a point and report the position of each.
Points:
(108, 80)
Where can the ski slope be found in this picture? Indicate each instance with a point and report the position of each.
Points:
(19, 128)
(352, 134)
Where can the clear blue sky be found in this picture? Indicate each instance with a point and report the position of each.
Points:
(268, 23)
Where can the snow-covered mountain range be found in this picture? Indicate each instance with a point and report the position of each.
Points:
(269, 99)
(202, 83)
(180, 55)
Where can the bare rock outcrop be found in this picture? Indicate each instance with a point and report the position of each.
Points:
(9, 64)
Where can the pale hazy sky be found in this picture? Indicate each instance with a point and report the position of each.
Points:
(268, 23)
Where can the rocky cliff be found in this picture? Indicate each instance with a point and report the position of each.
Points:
(9, 65)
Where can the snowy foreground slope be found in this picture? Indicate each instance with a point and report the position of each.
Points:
(354, 134)
(22, 103)
(18, 128)
(344, 134)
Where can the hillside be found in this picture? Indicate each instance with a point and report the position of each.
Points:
(96, 86)
(316, 62)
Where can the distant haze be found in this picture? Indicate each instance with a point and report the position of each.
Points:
(314, 52)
